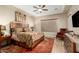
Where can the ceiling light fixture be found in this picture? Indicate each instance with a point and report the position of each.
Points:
(40, 8)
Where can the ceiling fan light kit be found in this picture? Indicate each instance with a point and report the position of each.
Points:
(40, 8)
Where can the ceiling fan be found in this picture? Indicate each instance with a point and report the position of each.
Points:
(40, 8)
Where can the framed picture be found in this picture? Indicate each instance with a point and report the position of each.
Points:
(20, 17)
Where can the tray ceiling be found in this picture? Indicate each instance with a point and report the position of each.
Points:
(52, 9)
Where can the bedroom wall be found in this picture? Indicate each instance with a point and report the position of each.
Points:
(61, 20)
(30, 20)
(7, 14)
(72, 10)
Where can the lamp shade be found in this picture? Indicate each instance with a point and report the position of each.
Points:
(13, 25)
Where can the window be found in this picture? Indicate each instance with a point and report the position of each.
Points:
(48, 25)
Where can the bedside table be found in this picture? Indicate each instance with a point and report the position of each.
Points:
(4, 41)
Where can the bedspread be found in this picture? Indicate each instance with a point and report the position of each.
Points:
(28, 37)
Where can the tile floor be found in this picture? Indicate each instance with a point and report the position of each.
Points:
(58, 46)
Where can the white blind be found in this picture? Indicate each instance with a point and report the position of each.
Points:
(49, 25)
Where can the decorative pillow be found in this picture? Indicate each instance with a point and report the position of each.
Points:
(18, 30)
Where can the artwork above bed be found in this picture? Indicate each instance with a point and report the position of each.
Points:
(20, 17)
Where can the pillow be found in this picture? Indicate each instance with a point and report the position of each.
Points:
(18, 30)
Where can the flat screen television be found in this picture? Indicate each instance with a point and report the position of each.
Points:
(75, 19)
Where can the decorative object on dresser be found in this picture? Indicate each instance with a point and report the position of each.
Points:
(61, 33)
(2, 29)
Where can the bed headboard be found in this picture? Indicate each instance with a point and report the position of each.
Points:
(18, 27)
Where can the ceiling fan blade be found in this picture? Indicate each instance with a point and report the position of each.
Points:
(39, 5)
(45, 9)
(35, 7)
(43, 6)
(34, 10)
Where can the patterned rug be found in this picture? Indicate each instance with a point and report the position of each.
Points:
(43, 47)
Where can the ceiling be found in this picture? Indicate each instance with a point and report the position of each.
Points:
(52, 9)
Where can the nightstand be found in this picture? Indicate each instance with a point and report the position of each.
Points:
(4, 41)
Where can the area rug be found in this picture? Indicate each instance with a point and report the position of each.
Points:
(43, 47)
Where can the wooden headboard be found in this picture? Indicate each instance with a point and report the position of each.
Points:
(18, 26)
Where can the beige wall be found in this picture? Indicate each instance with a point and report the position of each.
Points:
(30, 20)
(61, 21)
(7, 14)
(73, 9)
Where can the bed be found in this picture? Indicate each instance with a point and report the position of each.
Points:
(23, 37)
(28, 39)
